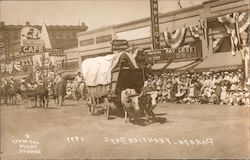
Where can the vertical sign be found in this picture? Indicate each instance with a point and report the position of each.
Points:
(155, 24)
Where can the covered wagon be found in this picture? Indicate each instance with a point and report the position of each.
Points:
(106, 76)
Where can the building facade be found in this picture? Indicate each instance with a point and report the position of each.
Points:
(188, 36)
(15, 61)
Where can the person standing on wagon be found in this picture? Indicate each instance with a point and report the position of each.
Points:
(78, 79)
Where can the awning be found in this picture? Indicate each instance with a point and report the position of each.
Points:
(188, 68)
(220, 62)
(179, 64)
(159, 66)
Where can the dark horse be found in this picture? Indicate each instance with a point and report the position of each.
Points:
(40, 93)
(58, 92)
(10, 93)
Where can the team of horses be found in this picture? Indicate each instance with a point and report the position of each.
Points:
(42, 93)
(132, 105)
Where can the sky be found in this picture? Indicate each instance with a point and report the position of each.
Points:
(94, 13)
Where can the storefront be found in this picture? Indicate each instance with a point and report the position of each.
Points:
(188, 38)
(227, 43)
(182, 51)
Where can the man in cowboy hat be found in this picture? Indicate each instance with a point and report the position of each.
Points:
(59, 78)
(78, 79)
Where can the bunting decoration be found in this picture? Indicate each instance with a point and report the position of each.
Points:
(229, 22)
(17, 66)
(194, 30)
(9, 68)
(243, 21)
(217, 42)
(3, 68)
(175, 38)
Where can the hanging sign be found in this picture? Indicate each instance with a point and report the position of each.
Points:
(119, 45)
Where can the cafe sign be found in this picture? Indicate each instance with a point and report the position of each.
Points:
(32, 46)
(173, 53)
(119, 45)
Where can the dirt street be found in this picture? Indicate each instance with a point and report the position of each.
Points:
(180, 131)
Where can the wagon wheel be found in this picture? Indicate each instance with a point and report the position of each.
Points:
(106, 108)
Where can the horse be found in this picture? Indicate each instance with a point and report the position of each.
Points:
(39, 92)
(59, 91)
(11, 93)
(3, 95)
(79, 91)
(43, 94)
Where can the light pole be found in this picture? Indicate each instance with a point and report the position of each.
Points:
(245, 55)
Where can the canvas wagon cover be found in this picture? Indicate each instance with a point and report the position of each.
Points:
(97, 71)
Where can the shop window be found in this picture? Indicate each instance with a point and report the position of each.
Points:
(102, 39)
(86, 42)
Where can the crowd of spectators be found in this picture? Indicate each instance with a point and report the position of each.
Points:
(224, 88)
(202, 88)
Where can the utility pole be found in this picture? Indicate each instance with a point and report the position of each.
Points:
(179, 4)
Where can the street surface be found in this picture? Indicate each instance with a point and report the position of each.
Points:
(69, 132)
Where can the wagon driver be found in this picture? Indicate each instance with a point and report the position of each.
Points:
(78, 79)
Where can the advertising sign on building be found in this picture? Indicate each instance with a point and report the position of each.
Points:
(173, 53)
(55, 52)
(119, 45)
(30, 40)
(155, 24)
(32, 46)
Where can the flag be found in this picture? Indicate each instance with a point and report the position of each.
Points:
(243, 21)
(230, 23)
(217, 42)
(203, 24)
(45, 36)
